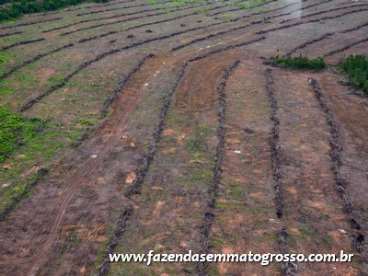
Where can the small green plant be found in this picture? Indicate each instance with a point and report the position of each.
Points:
(301, 63)
(356, 67)
(197, 142)
(15, 131)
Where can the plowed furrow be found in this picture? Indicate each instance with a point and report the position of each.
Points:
(118, 15)
(138, 17)
(346, 47)
(28, 104)
(310, 21)
(31, 23)
(61, 216)
(205, 229)
(10, 34)
(181, 46)
(342, 185)
(32, 60)
(323, 12)
(239, 9)
(20, 43)
(356, 28)
(226, 48)
(109, 101)
(312, 211)
(288, 268)
(308, 43)
(141, 173)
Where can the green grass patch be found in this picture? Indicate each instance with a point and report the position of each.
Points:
(5, 89)
(15, 131)
(250, 4)
(16, 9)
(300, 63)
(4, 59)
(356, 68)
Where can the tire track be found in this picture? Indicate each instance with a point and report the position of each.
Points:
(287, 268)
(141, 174)
(205, 230)
(336, 150)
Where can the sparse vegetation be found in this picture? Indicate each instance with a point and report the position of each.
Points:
(356, 67)
(15, 131)
(300, 63)
(250, 4)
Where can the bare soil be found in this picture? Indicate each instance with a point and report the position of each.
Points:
(193, 141)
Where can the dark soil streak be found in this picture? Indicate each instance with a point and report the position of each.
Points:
(355, 28)
(239, 9)
(9, 34)
(344, 48)
(201, 268)
(310, 42)
(141, 174)
(323, 12)
(287, 268)
(34, 59)
(336, 164)
(310, 21)
(121, 84)
(41, 173)
(144, 16)
(115, 9)
(110, 17)
(31, 23)
(83, 40)
(23, 42)
(229, 47)
(215, 35)
(86, 64)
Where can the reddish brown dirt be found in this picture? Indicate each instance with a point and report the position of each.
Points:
(276, 134)
(92, 177)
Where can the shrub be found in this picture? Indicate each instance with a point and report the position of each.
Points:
(356, 67)
(302, 63)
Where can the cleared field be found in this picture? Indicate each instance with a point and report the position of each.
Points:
(164, 126)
